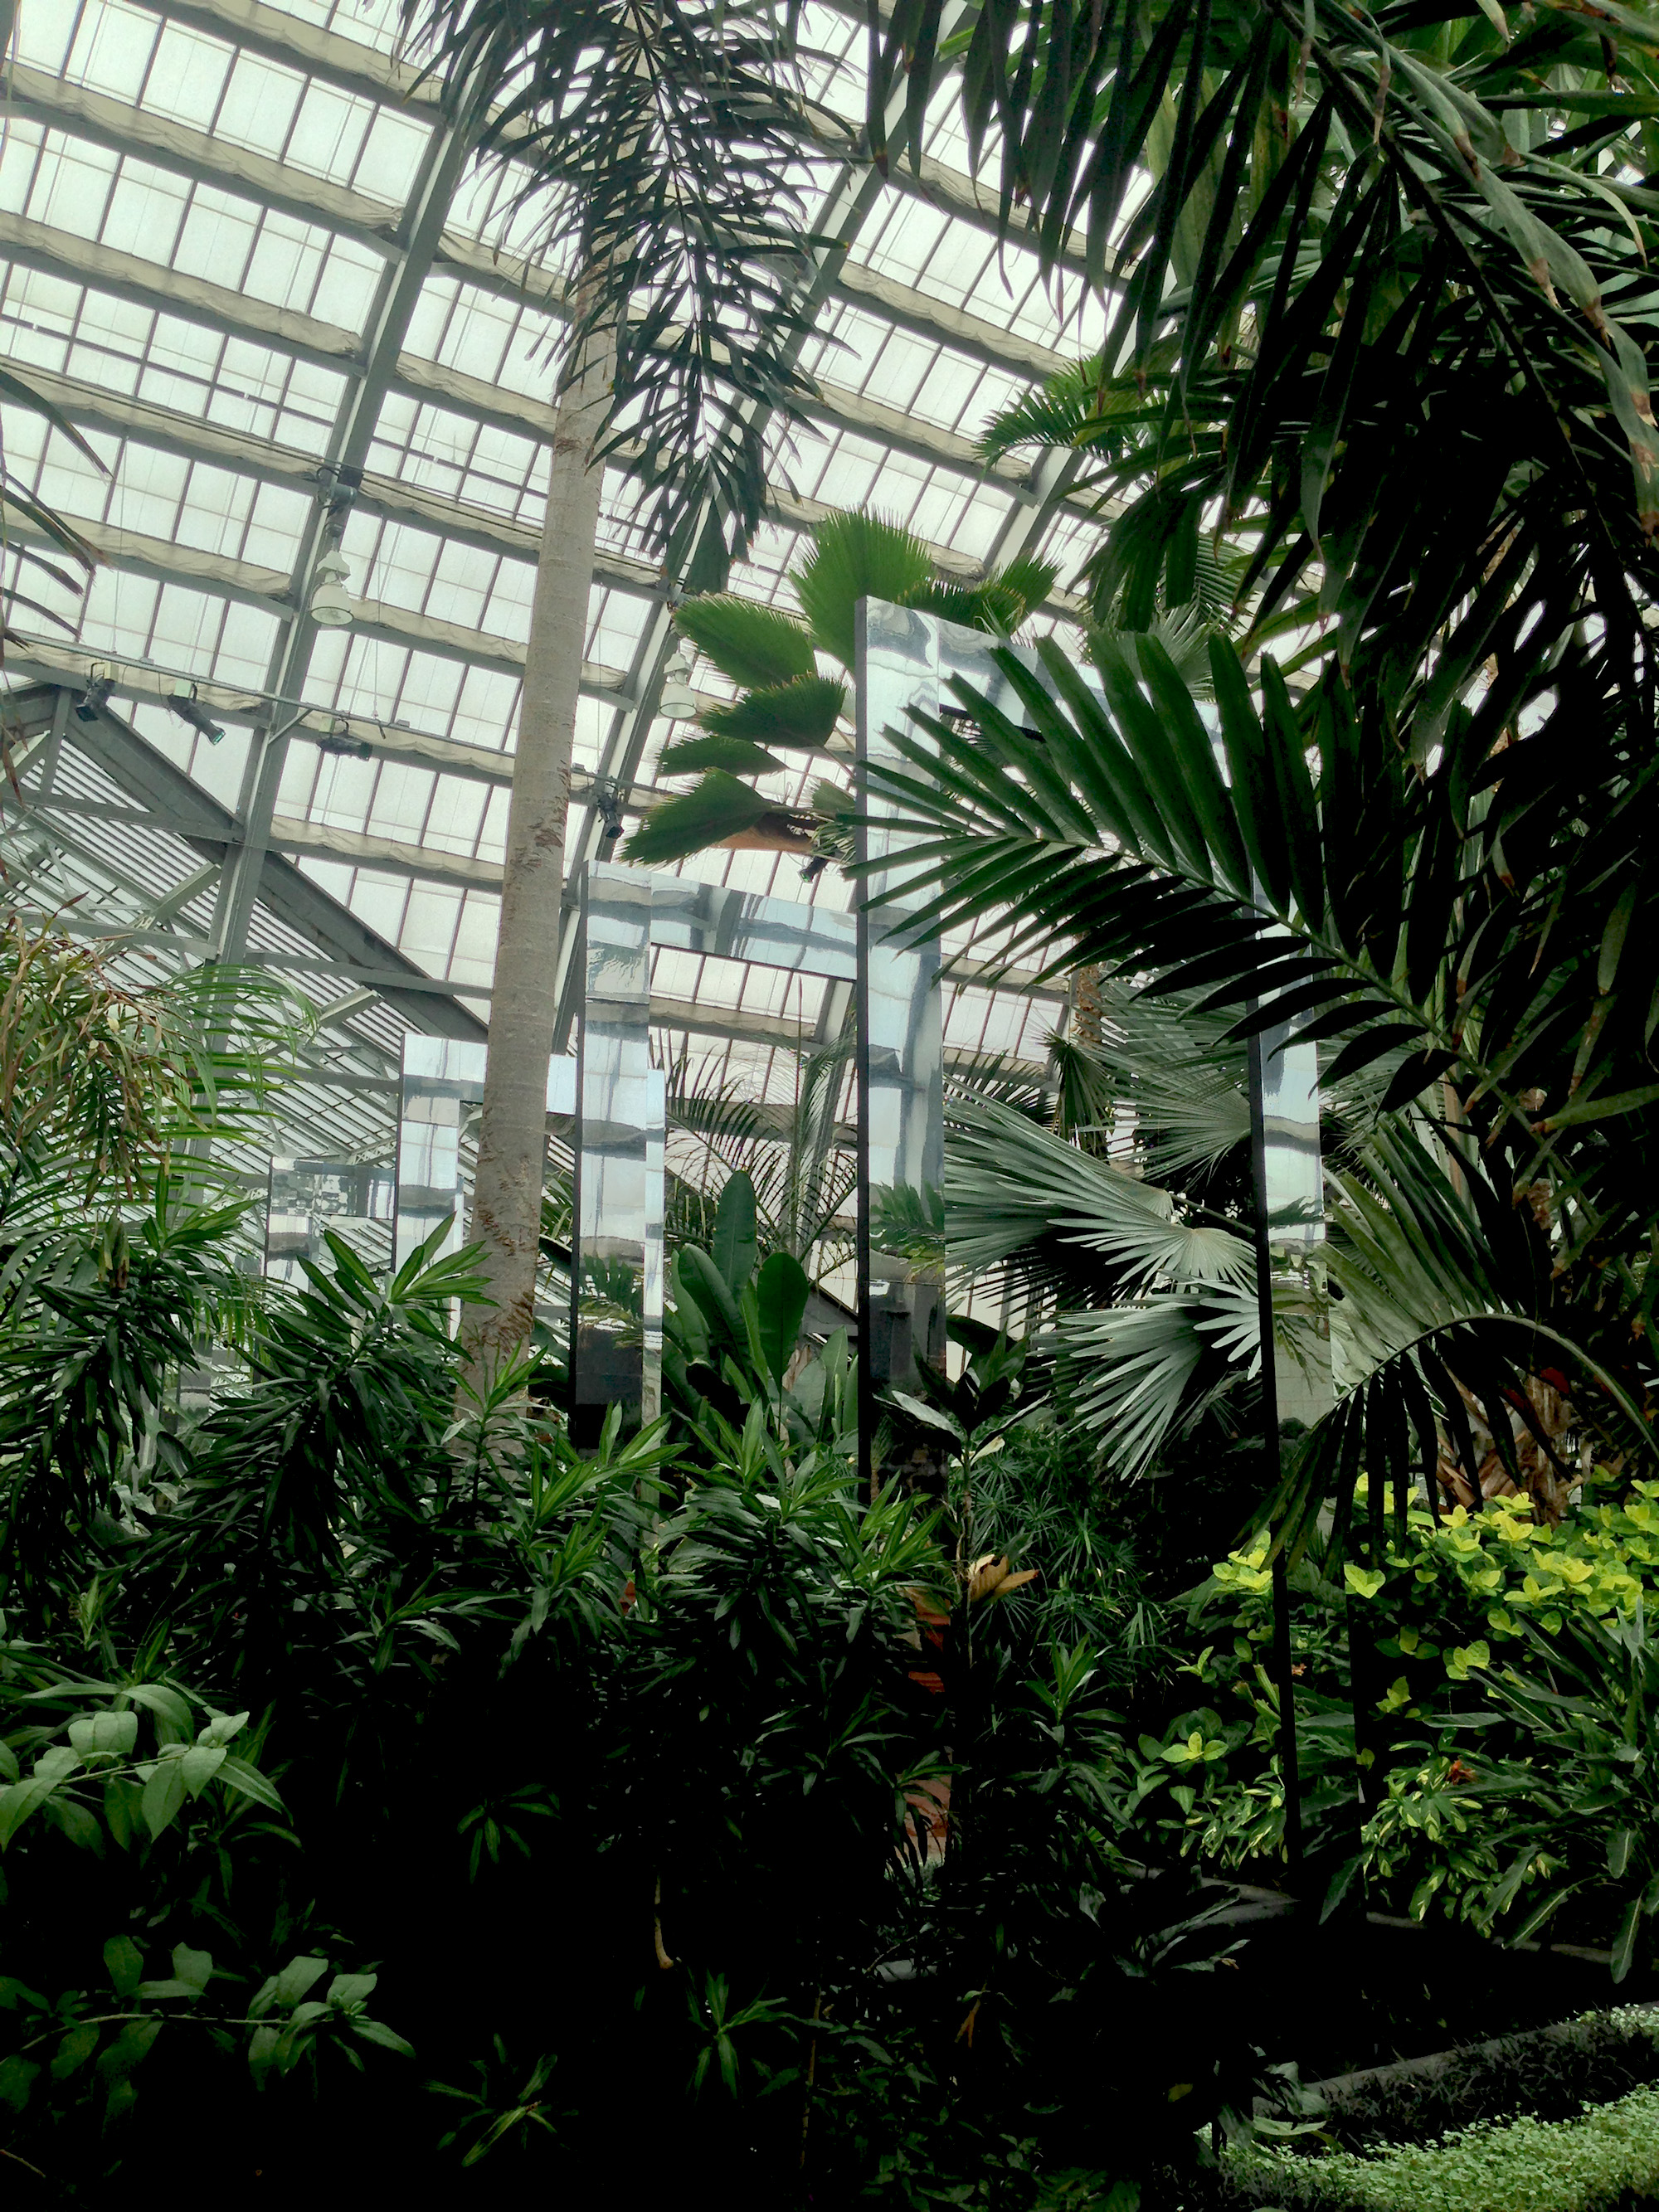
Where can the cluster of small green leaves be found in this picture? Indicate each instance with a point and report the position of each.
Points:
(1526, 2165)
(282, 2028)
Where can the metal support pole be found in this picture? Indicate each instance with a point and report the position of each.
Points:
(1272, 1466)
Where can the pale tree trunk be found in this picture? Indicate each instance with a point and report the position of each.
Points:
(507, 1205)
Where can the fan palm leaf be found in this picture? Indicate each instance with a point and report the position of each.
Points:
(785, 702)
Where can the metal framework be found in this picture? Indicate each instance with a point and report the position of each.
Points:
(242, 251)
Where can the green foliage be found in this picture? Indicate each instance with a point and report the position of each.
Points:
(758, 647)
(1361, 250)
(731, 1333)
(719, 808)
(39, 518)
(662, 156)
(785, 702)
(802, 712)
(1593, 2164)
(107, 1091)
(853, 557)
(1279, 894)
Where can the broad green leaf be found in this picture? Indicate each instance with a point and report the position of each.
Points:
(735, 1244)
(780, 1294)
(237, 1774)
(301, 1974)
(17, 2077)
(199, 1765)
(195, 1968)
(105, 1735)
(164, 1795)
(166, 1704)
(125, 1965)
(73, 2052)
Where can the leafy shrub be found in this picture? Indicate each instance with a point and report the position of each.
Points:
(1526, 2166)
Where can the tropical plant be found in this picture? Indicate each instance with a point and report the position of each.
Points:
(733, 1336)
(791, 1152)
(658, 150)
(1494, 1224)
(1350, 250)
(30, 522)
(785, 704)
(107, 1090)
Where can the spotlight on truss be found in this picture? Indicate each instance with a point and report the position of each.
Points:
(606, 800)
(678, 702)
(332, 603)
(189, 708)
(94, 699)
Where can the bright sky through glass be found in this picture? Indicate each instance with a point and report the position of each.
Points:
(197, 201)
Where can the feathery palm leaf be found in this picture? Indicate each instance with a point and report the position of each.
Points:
(666, 143)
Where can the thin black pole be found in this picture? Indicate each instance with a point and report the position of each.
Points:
(1274, 1466)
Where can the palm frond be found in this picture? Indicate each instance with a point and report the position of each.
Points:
(802, 712)
(751, 645)
(1138, 1375)
(717, 812)
(736, 756)
(857, 557)
(666, 149)
(1072, 1223)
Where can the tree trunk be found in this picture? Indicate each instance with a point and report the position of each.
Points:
(506, 1203)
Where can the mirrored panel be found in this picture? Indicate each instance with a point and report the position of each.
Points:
(617, 1283)
(442, 1082)
(770, 933)
(904, 660)
(1290, 1101)
(442, 1085)
(305, 1199)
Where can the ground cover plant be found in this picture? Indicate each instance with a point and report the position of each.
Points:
(1607, 2158)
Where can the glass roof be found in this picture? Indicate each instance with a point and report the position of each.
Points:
(202, 205)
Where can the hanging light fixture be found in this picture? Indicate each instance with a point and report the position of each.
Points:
(189, 708)
(331, 605)
(679, 700)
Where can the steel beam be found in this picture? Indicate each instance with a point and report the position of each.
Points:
(149, 283)
(396, 298)
(371, 75)
(198, 819)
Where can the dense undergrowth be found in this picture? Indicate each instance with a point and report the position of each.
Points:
(397, 1792)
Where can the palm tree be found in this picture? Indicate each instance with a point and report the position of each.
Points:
(1467, 952)
(1379, 318)
(1378, 338)
(38, 524)
(785, 704)
(658, 146)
